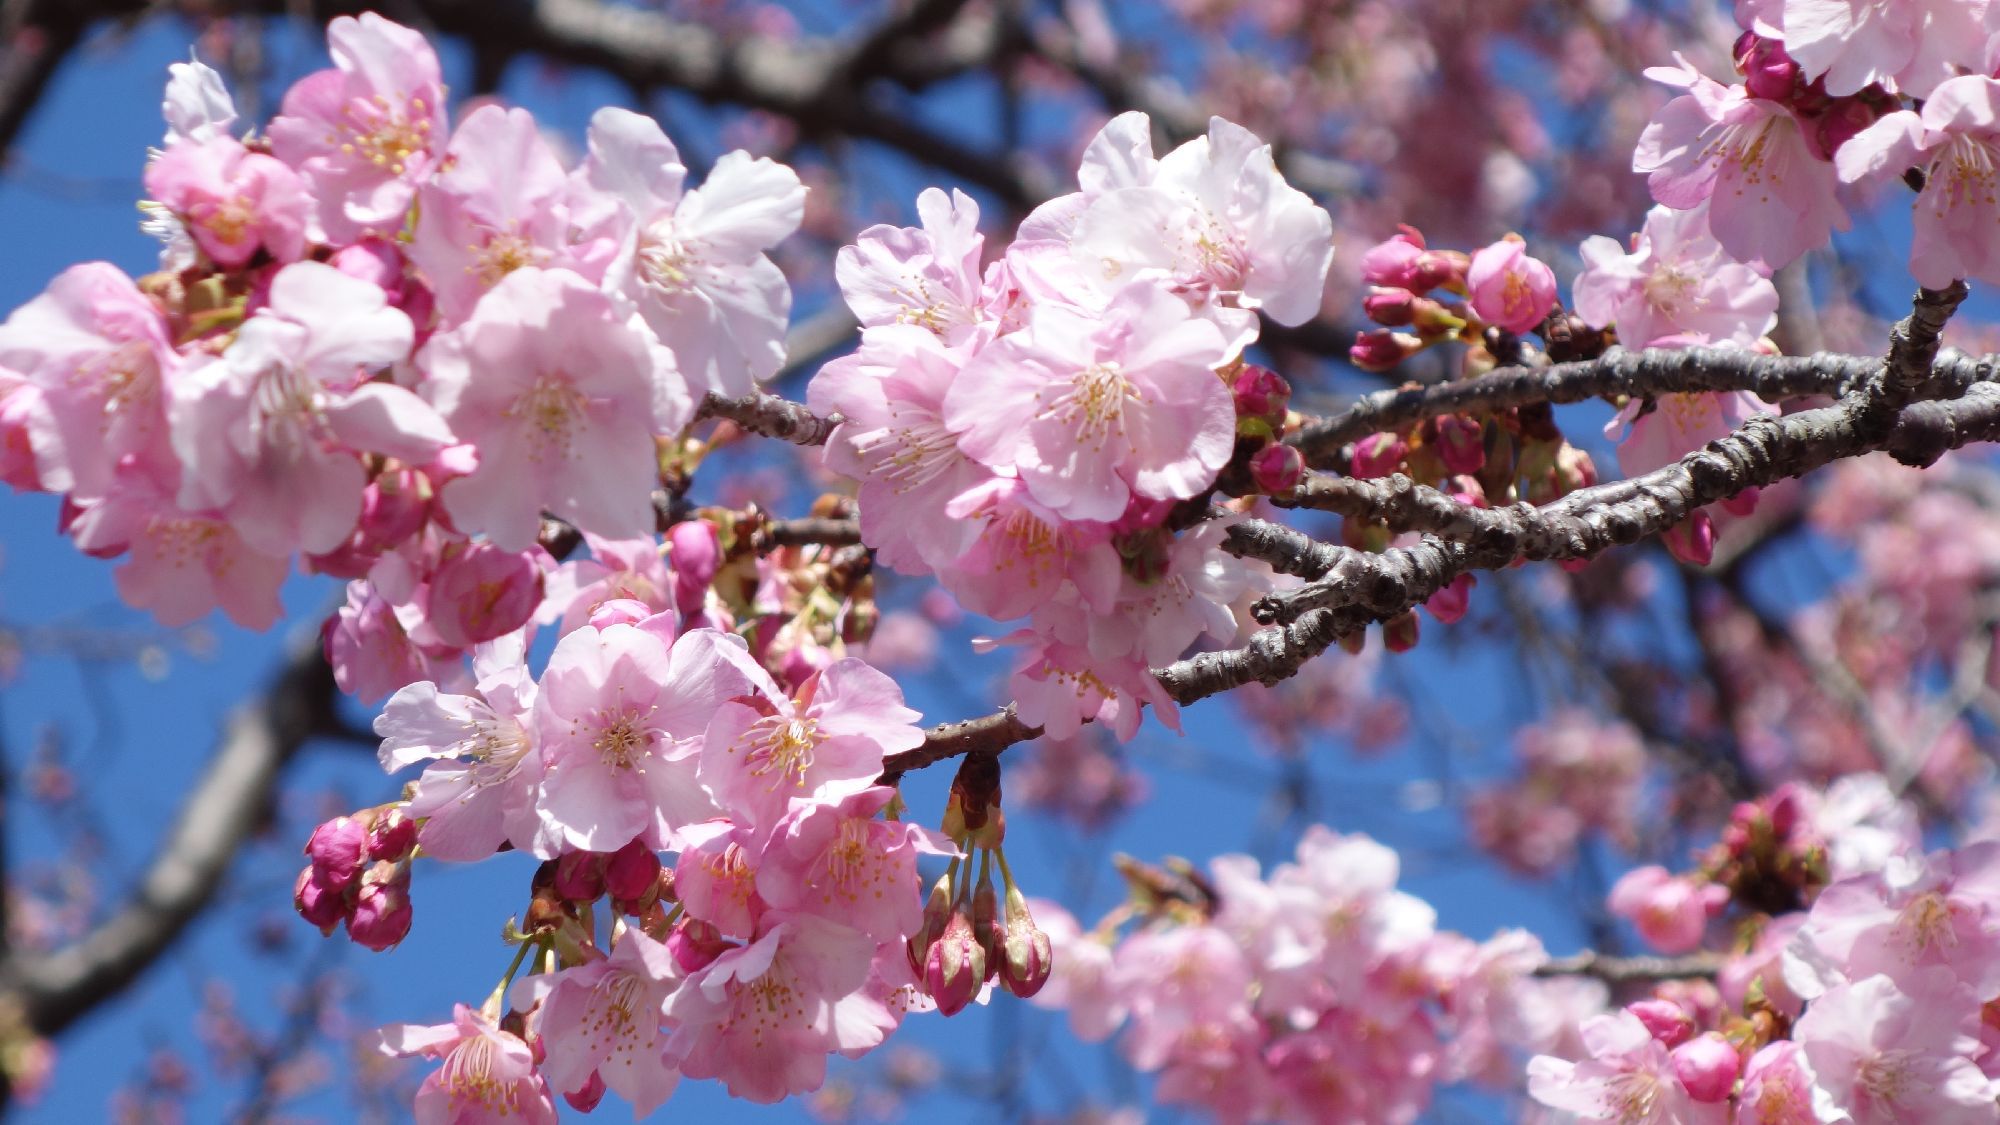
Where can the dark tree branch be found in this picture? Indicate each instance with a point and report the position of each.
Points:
(1631, 970)
(771, 416)
(806, 532)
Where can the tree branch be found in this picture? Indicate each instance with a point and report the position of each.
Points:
(1631, 970)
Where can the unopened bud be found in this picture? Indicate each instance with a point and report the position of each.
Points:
(1665, 1020)
(1461, 444)
(1277, 469)
(695, 943)
(1768, 72)
(955, 968)
(1027, 958)
(1399, 633)
(1382, 350)
(585, 1099)
(986, 926)
(1708, 1066)
(1261, 393)
(937, 913)
(393, 836)
(1692, 540)
(631, 873)
(1378, 455)
(336, 849)
(580, 876)
(382, 913)
(1393, 261)
(1391, 308)
(315, 903)
(1449, 604)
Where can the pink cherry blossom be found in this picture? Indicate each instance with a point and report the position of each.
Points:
(481, 592)
(619, 714)
(1675, 283)
(366, 132)
(1887, 1055)
(603, 1018)
(763, 1017)
(630, 569)
(1769, 197)
(1909, 45)
(500, 202)
(1916, 914)
(717, 876)
(1061, 686)
(694, 264)
(1956, 141)
(927, 277)
(97, 350)
(824, 743)
(1510, 289)
(1092, 412)
(891, 394)
(488, 1076)
(270, 431)
(1670, 911)
(837, 861)
(233, 201)
(370, 650)
(1629, 1078)
(1022, 554)
(562, 399)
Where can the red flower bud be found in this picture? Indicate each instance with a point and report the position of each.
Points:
(1026, 957)
(382, 913)
(1277, 469)
(955, 967)
(1399, 633)
(1461, 444)
(584, 1100)
(631, 872)
(1261, 393)
(580, 876)
(315, 903)
(393, 836)
(1382, 350)
(336, 849)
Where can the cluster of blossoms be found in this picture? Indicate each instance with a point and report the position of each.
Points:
(1859, 987)
(1027, 433)
(1578, 775)
(1317, 993)
(388, 345)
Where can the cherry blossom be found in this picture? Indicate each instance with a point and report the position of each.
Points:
(1956, 141)
(487, 1076)
(1675, 286)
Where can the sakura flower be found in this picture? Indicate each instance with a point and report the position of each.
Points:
(694, 264)
(1888, 1055)
(1653, 433)
(1081, 979)
(1956, 141)
(603, 1018)
(269, 431)
(837, 861)
(97, 350)
(1176, 982)
(562, 399)
(480, 592)
(1671, 912)
(1628, 1078)
(197, 106)
(1092, 412)
(1061, 686)
(927, 277)
(500, 203)
(890, 394)
(366, 132)
(1909, 45)
(233, 201)
(1510, 289)
(763, 1017)
(825, 743)
(617, 569)
(717, 876)
(1215, 215)
(488, 1076)
(1675, 283)
(482, 786)
(618, 714)
(1916, 915)
(1778, 1089)
(183, 564)
(1022, 554)
(1769, 197)
(370, 650)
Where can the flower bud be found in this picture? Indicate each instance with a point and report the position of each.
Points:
(393, 836)
(1391, 308)
(631, 873)
(1382, 350)
(393, 508)
(1393, 261)
(955, 967)
(986, 928)
(1692, 540)
(1277, 469)
(937, 913)
(695, 551)
(1439, 269)
(1261, 393)
(382, 913)
(1768, 72)
(1026, 957)
(694, 943)
(1461, 444)
(580, 876)
(316, 904)
(1509, 289)
(1839, 124)
(336, 849)
(1399, 633)
(1378, 455)
(1708, 1066)
(483, 592)
(1665, 1020)
(1449, 604)
(585, 1099)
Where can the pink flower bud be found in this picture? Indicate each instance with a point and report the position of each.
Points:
(1768, 72)
(1382, 350)
(937, 914)
(1509, 289)
(631, 872)
(695, 553)
(336, 849)
(393, 508)
(1438, 269)
(1391, 308)
(1026, 957)
(1449, 604)
(1708, 1066)
(955, 967)
(1399, 633)
(1378, 455)
(1277, 469)
(1692, 540)
(986, 926)
(580, 876)
(1394, 260)
(382, 913)
(316, 904)
(393, 836)
(1839, 124)
(1461, 444)
(1671, 912)
(1667, 1021)
(483, 593)
(1261, 393)
(585, 1098)
(695, 943)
